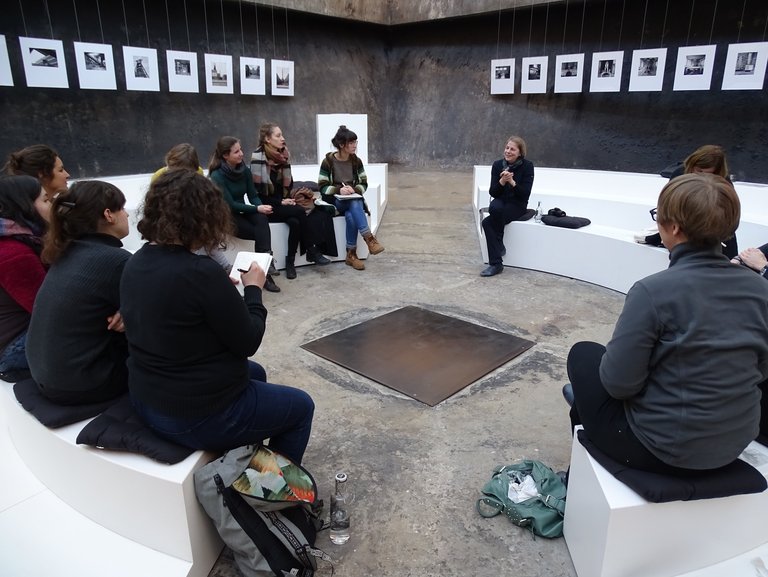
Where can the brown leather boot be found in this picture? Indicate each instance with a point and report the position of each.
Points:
(353, 261)
(374, 247)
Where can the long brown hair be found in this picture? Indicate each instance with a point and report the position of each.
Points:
(223, 146)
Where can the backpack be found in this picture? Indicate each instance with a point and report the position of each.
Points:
(265, 509)
(542, 513)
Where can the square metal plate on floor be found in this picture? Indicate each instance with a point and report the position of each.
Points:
(422, 354)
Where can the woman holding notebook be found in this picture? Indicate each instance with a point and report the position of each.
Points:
(190, 333)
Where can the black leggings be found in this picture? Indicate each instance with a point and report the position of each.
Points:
(254, 226)
(603, 416)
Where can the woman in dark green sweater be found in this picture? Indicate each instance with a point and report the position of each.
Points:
(235, 181)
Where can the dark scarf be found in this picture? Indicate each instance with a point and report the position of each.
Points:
(514, 166)
(233, 174)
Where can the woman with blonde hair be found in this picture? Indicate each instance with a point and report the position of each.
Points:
(676, 388)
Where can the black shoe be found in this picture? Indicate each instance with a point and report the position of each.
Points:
(568, 393)
(290, 271)
(272, 270)
(317, 258)
(269, 285)
(493, 270)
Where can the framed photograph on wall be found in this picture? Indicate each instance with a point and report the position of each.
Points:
(182, 71)
(693, 70)
(647, 72)
(282, 77)
(606, 71)
(6, 78)
(503, 76)
(534, 75)
(569, 72)
(253, 76)
(218, 74)
(95, 66)
(745, 66)
(141, 72)
(44, 64)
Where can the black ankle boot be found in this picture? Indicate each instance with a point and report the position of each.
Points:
(315, 256)
(290, 269)
(269, 285)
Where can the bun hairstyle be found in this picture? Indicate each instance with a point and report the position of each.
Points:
(37, 160)
(78, 211)
(343, 136)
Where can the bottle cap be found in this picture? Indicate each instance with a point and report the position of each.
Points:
(341, 477)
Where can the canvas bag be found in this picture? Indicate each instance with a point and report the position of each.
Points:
(265, 509)
(541, 514)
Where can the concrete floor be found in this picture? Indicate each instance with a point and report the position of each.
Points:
(417, 470)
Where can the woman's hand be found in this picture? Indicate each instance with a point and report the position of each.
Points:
(753, 258)
(264, 209)
(115, 323)
(289, 202)
(346, 189)
(254, 276)
(507, 178)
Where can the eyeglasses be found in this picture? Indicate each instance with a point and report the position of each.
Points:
(653, 214)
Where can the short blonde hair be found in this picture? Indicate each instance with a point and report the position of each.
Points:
(709, 156)
(704, 206)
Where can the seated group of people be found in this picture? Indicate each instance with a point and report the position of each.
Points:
(89, 321)
(682, 386)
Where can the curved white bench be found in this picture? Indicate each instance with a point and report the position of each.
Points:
(617, 203)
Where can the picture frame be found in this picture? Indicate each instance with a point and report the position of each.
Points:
(282, 77)
(183, 75)
(253, 75)
(745, 66)
(647, 72)
(605, 75)
(141, 71)
(6, 77)
(503, 76)
(534, 75)
(693, 70)
(44, 64)
(95, 66)
(569, 73)
(218, 74)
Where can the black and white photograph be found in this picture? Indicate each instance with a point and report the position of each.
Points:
(503, 76)
(647, 71)
(218, 74)
(6, 77)
(534, 80)
(95, 66)
(44, 64)
(253, 78)
(282, 77)
(569, 73)
(745, 66)
(182, 71)
(693, 70)
(606, 71)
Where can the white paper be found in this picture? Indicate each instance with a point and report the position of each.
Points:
(243, 261)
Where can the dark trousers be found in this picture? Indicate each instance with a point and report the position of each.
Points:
(254, 226)
(500, 214)
(763, 437)
(603, 416)
(298, 231)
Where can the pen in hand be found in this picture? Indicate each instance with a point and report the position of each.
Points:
(242, 270)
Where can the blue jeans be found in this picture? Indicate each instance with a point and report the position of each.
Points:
(14, 355)
(354, 214)
(264, 411)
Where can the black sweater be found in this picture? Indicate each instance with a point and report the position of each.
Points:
(189, 331)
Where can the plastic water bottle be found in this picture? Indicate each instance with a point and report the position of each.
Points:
(537, 216)
(340, 511)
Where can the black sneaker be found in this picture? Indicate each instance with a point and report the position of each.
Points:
(318, 258)
(270, 285)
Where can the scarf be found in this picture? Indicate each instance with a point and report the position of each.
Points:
(267, 160)
(25, 234)
(515, 165)
(234, 174)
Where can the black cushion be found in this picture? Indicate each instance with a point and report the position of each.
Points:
(120, 428)
(736, 478)
(51, 414)
(565, 221)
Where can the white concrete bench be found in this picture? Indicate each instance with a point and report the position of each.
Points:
(617, 203)
(94, 509)
(135, 187)
(613, 532)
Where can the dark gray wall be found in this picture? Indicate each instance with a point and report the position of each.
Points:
(425, 87)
